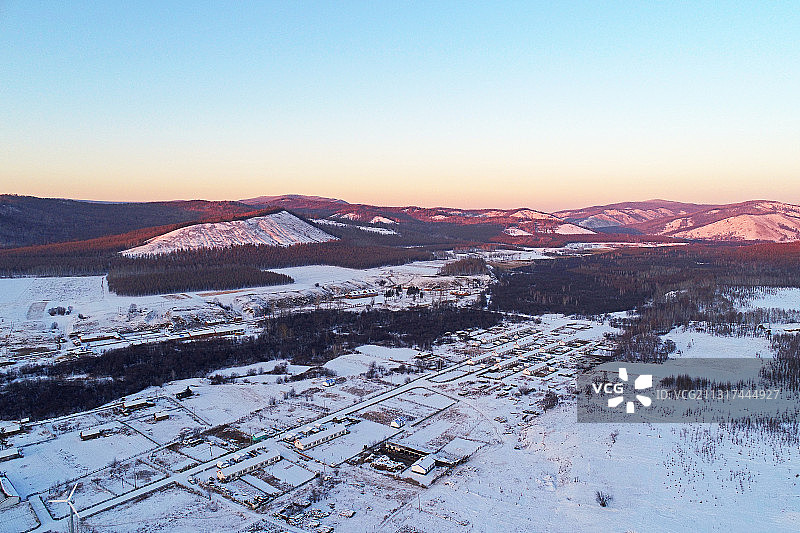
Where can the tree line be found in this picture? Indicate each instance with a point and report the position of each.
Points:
(667, 287)
(189, 278)
(468, 266)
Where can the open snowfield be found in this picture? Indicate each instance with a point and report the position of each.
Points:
(174, 510)
(670, 478)
(775, 298)
(693, 343)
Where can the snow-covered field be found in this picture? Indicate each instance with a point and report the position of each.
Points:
(693, 343)
(775, 298)
(522, 470)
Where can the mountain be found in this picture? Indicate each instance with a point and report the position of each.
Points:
(27, 220)
(295, 202)
(628, 213)
(756, 220)
(277, 229)
(520, 223)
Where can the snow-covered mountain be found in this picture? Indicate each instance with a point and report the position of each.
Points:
(757, 220)
(276, 229)
(628, 213)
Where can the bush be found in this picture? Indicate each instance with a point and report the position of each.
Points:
(603, 498)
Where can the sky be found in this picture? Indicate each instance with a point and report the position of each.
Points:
(549, 105)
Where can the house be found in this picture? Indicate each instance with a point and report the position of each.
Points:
(330, 382)
(100, 337)
(318, 438)
(258, 437)
(8, 495)
(398, 422)
(10, 429)
(90, 434)
(139, 403)
(9, 453)
(184, 393)
(424, 465)
(237, 470)
(508, 363)
(158, 417)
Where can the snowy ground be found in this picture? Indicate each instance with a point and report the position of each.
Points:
(693, 343)
(524, 470)
(774, 298)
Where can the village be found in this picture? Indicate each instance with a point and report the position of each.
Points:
(268, 453)
(56, 319)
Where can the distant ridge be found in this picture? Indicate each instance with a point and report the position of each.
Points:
(27, 220)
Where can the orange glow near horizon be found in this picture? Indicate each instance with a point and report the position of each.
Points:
(542, 105)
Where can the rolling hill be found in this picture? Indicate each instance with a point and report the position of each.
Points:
(520, 223)
(628, 213)
(276, 229)
(757, 220)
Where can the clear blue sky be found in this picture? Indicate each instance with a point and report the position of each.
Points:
(544, 104)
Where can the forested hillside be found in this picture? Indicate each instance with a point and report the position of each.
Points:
(27, 220)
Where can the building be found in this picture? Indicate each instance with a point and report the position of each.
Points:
(508, 363)
(10, 429)
(100, 337)
(9, 453)
(158, 417)
(316, 439)
(90, 434)
(237, 470)
(258, 437)
(139, 403)
(424, 465)
(398, 422)
(184, 393)
(330, 382)
(8, 495)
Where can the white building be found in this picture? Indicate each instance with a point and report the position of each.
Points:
(9, 453)
(318, 438)
(10, 429)
(237, 470)
(423, 465)
(508, 363)
(398, 422)
(137, 404)
(89, 434)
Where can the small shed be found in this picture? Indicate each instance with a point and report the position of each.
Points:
(424, 465)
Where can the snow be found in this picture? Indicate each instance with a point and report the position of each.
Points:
(776, 227)
(359, 362)
(17, 519)
(515, 232)
(530, 214)
(276, 229)
(692, 343)
(381, 231)
(382, 220)
(775, 298)
(572, 229)
(174, 510)
(525, 472)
